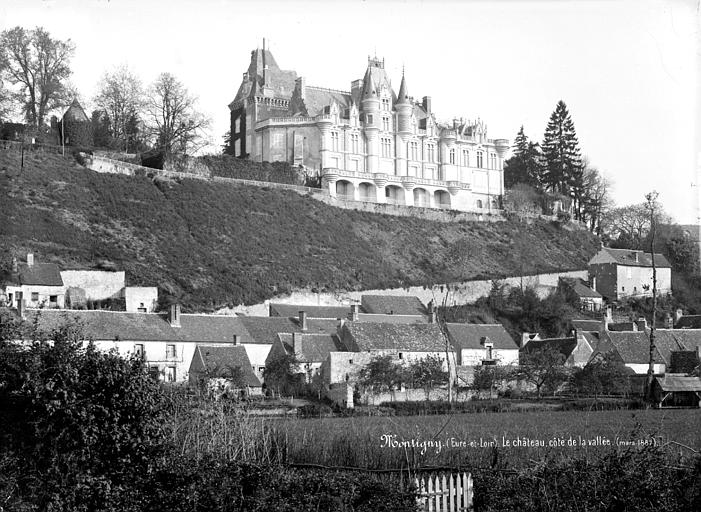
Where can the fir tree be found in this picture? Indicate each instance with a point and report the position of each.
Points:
(563, 163)
(524, 166)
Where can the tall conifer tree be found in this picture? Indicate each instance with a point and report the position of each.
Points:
(524, 166)
(563, 162)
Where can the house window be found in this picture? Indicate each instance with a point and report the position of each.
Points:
(170, 351)
(414, 150)
(237, 125)
(350, 361)
(261, 369)
(401, 356)
(35, 296)
(478, 203)
(386, 147)
(431, 153)
(53, 299)
(385, 123)
(385, 104)
(369, 119)
(479, 159)
(465, 158)
(334, 141)
(170, 373)
(139, 350)
(451, 156)
(154, 372)
(354, 142)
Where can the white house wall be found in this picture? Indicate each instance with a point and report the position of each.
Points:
(474, 357)
(98, 284)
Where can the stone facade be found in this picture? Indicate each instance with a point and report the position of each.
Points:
(371, 143)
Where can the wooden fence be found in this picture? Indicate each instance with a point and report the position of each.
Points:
(439, 493)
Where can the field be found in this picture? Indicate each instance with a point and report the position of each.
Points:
(471, 441)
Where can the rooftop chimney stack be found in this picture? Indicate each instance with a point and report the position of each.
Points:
(174, 316)
(678, 314)
(30, 259)
(608, 317)
(297, 342)
(669, 322)
(236, 339)
(303, 320)
(641, 323)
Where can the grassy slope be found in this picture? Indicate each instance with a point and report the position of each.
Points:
(212, 244)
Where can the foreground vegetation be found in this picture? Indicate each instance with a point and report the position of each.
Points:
(209, 245)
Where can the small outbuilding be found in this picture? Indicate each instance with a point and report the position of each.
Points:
(675, 390)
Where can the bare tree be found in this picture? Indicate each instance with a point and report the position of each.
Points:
(120, 95)
(176, 124)
(596, 200)
(38, 66)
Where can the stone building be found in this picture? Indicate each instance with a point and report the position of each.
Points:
(371, 143)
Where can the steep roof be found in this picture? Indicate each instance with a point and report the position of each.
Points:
(689, 322)
(672, 383)
(684, 361)
(317, 98)
(315, 347)
(580, 288)
(76, 113)
(281, 82)
(217, 360)
(586, 325)
(387, 336)
(41, 274)
(689, 339)
(665, 343)
(564, 345)
(329, 312)
(403, 95)
(264, 329)
(633, 347)
(473, 336)
(627, 257)
(394, 304)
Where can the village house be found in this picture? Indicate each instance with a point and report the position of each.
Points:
(224, 369)
(589, 299)
(576, 350)
(310, 350)
(482, 344)
(35, 285)
(619, 273)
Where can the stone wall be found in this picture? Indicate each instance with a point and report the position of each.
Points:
(98, 284)
(465, 292)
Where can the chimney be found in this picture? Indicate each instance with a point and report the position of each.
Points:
(174, 316)
(426, 103)
(678, 314)
(303, 320)
(593, 283)
(30, 259)
(301, 85)
(641, 324)
(297, 342)
(20, 304)
(669, 322)
(236, 339)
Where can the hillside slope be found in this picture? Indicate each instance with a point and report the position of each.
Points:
(211, 245)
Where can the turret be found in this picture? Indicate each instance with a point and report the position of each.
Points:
(370, 101)
(403, 108)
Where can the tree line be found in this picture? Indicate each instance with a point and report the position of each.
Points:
(128, 116)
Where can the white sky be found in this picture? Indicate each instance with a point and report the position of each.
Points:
(628, 70)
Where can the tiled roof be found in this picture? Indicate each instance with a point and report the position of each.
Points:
(671, 383)
(406, 337)
(41, 274)
(580, 288)
(315, 347)
(280, 81)
(666, 342)
(210, 328)
(76, 113)
(264, 330)
(586, 325)
(683, 361)
(329, 312)
(108, 325)
(633, 347)
(564, 345)
(689, 322)
(316, 98)
(622, 326)
(472, 336)
(216, 360)
(627, 257)
(689, 339)
(395, 304)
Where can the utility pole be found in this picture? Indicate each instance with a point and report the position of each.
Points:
(651, 199)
